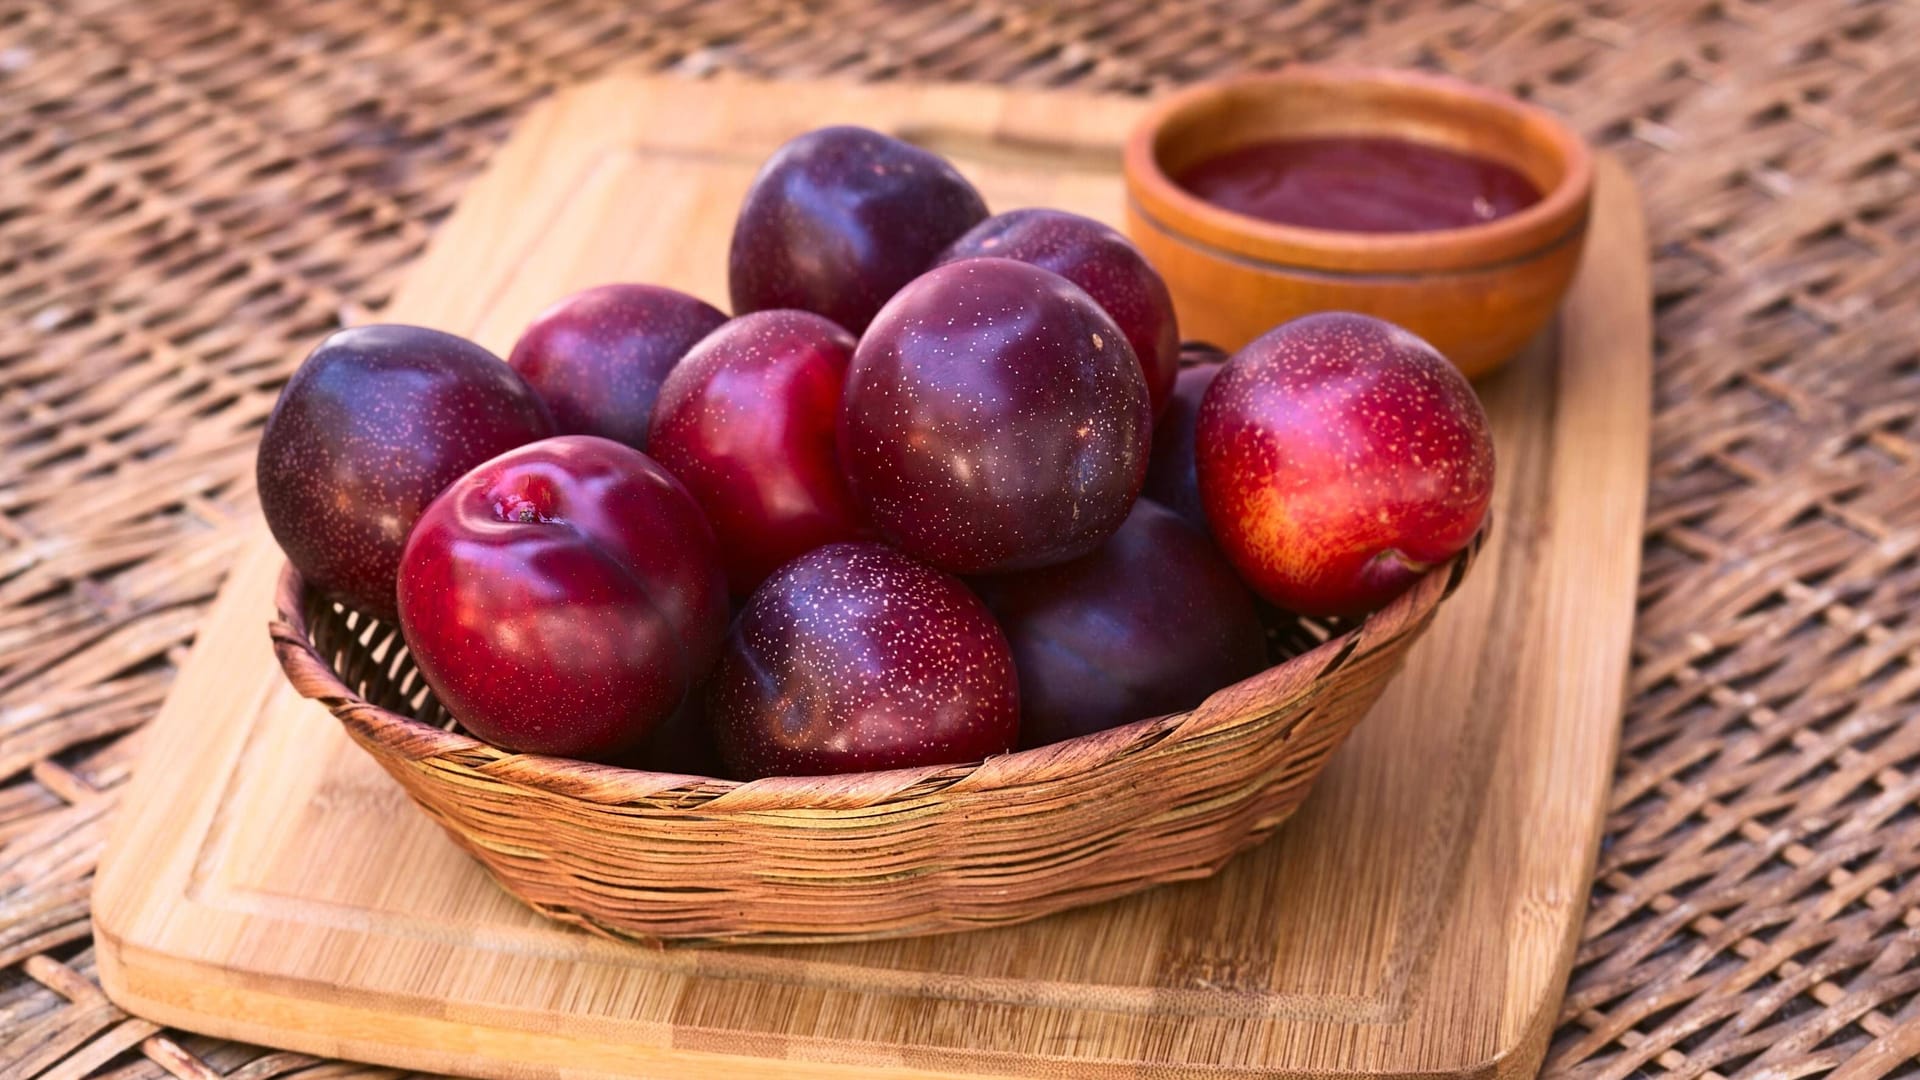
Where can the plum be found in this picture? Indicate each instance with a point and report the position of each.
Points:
(1339, 458)
(746, 422)
(839, 219)
(1150, 623)
(857, 657)
(597, 358)
(1105, 264)
(563, 598)
(1171, 480)
(373, 424)
(995, 419)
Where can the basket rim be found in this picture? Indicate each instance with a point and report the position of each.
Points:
(396, 735)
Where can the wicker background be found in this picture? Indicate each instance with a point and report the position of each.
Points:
(191, 192)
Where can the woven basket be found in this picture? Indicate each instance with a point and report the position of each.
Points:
(672, 858)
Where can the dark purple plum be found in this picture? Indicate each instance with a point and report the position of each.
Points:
(842, 217)
(995, 419)
(563, 598)
(1171, 478)
(597, 358)
(856, 657)
(374, 423)
(1105, 264)
(746, 421)
(1149, 624)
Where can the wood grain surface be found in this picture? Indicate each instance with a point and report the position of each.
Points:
(1417, 918)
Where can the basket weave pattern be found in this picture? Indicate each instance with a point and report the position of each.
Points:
(192, 191)
(868, 855)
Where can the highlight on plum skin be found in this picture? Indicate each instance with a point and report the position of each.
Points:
(746, 421)
(858, 657)
(599, 356)
(564, 598)
(1104, 263)
(1339, 458)
(373, 424)
(994, 419)
(839, 219)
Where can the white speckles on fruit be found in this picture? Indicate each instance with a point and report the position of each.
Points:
(1331, 439)
(373, 424)
(1101, 261)
(982, 430)
(858, 657)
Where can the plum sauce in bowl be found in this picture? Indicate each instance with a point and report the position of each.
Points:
(1264, 198)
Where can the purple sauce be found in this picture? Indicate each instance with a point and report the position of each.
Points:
(1351, 184)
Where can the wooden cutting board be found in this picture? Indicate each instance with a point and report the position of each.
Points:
(268, 883)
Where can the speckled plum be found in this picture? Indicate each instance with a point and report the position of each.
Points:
(563, 598)
(1171, 480)
(995, 419)
(373, 424)
(857, 657)
(839, 219)
(1105, 264)
(597, 358)
(747, 422)
(1339, 458)
(1150, 623)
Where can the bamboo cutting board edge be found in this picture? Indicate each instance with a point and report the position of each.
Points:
(995, 130)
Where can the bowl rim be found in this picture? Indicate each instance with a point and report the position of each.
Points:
(1162, 204)
(402, 736)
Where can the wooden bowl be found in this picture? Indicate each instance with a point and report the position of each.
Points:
(670, 858)
(1477, 293)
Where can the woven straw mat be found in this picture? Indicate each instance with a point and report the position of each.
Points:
(191, 193)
